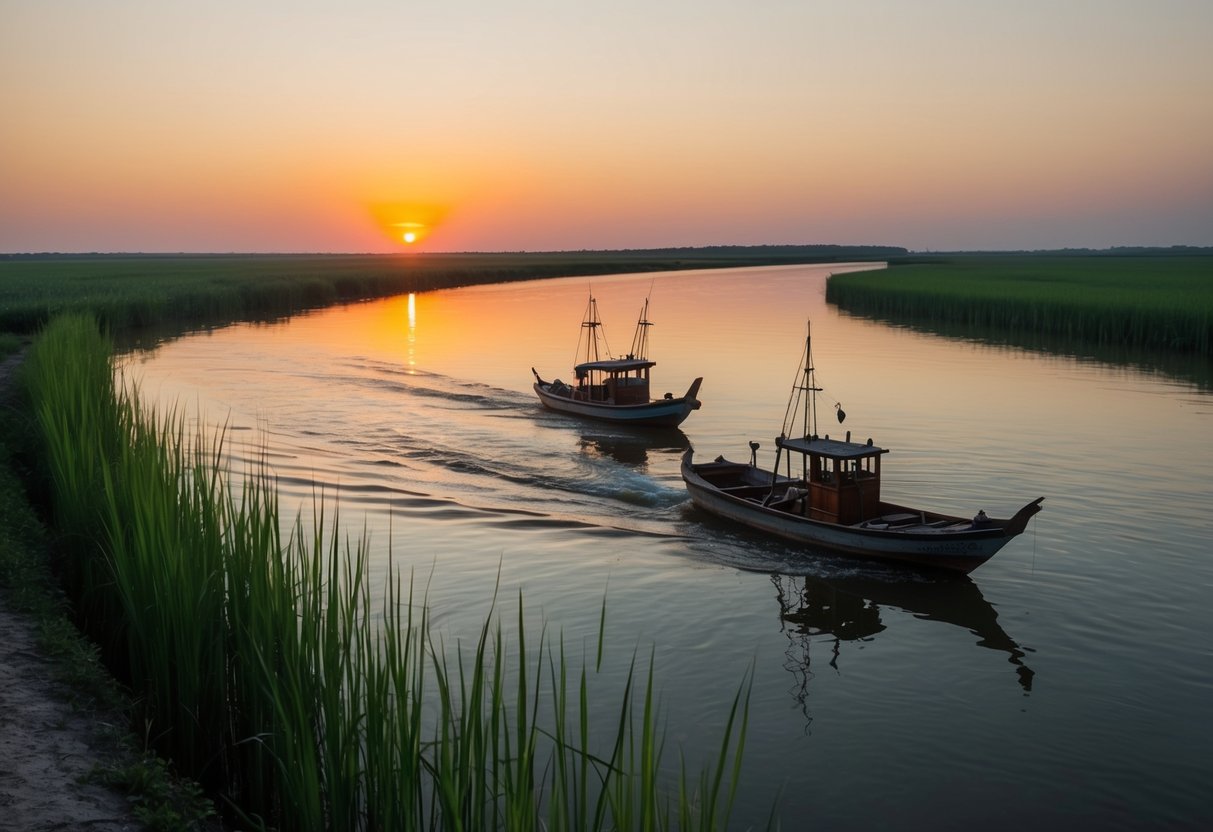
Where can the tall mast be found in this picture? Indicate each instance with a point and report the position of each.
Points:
(810, 427)
(803, 401)
(640, 340)
(593, 330)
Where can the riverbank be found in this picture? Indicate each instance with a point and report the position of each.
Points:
(49, 747)
(230, 627)
(67, 759)
(1153, 302)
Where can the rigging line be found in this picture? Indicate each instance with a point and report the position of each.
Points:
(581, 330)
(1033, 572)
(590, 321)
(605, 344)
(640, 339)
(798, 386)
(602, 331)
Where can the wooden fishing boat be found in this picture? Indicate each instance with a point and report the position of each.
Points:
(829, 497)
(615, 389)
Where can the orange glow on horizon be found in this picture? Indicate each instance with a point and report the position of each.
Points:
(407, 223)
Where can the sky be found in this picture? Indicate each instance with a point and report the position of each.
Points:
(540, 125)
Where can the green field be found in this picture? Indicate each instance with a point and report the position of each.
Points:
(135, 292)
(1152, 302)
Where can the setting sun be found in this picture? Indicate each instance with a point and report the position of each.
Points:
(1043, 158)
(407, 223)
(410, 232)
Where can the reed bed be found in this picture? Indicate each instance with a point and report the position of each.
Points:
(1163, 303)
(260, 670)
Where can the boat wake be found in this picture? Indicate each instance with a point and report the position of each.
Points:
(427, 445)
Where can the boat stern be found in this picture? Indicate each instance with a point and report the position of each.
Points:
(693, 393)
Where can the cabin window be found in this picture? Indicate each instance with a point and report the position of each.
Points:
(824, 470)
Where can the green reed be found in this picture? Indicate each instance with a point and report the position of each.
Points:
(1148, 302)
(261, 671)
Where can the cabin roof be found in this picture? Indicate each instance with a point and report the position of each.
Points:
(614, 365)
(831, 448)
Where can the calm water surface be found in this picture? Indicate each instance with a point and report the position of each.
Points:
(1069, 681)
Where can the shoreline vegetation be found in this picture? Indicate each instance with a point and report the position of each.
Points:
(1149, 309)
(259, 669)
(262, 694)
(1147, 301)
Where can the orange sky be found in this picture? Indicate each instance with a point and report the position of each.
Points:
(318, 126)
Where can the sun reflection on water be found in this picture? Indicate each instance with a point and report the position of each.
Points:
(411, 350)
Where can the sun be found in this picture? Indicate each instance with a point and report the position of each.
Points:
(408, 224)
(410, 232)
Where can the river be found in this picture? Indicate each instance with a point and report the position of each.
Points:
(1066, 682)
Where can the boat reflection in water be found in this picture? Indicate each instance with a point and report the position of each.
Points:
(632, 447)
(849, 610)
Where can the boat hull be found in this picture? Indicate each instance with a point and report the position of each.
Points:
(660, 413)
(957, 550)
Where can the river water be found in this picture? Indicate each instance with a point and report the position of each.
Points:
(1068, 681)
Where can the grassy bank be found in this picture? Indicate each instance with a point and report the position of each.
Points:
(1147, 302)
(30, 589)
(259, 670)
(132, 292)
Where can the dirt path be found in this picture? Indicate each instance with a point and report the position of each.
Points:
(46, 747)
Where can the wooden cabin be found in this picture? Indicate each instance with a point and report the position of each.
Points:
(615, 381)
(843, 478)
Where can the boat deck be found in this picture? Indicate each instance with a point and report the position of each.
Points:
(908, 522)
(754, 486)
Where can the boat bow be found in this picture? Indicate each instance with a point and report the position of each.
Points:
(1019, 522)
